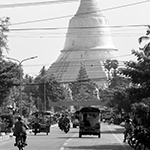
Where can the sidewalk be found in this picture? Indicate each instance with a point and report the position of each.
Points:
(4, 136)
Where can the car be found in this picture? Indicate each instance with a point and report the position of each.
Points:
(89, 122)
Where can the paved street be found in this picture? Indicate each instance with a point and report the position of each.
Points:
(111, 139)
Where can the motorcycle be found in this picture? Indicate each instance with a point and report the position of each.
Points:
(44, 122)
(132, 140)
(60, 125)
(20, 143)
(140, 139)
(36, 128)
(66, 127)
(143, 138)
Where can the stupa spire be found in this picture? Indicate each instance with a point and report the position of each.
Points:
(88, 7)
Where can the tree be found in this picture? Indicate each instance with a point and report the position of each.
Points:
(9, 77)
(114, 79)
(8, 70)
(4, 23)
(120, 101)
(108, 67)
(141, 110)
(27, 92)
(47, 89)
(139, 72)
(55, 91)
(114, 95)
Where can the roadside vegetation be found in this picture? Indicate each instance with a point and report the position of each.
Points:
(129, 86)
(127, 92)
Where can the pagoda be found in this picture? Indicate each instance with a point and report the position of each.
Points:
(88, 40)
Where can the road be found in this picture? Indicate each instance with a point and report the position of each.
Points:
(111, 139)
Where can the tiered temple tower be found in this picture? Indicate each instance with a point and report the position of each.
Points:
(89, 41)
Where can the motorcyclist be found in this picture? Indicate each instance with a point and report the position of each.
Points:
(60, 123)
(66, 120)
(20, 127)
(128, 128)
(36, 122)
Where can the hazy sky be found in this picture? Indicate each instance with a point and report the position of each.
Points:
(126, 19)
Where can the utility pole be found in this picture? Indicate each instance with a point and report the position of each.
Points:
(20, 77)
(44, 95)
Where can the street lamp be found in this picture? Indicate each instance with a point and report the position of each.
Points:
(20, 77)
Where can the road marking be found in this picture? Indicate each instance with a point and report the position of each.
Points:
(67, 141)
(117, 138)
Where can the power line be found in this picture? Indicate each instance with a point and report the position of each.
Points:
(123, 28)
(36, 65)
(107, 9)
(35, 3)
(127, 5)
(79, 35)
(72, 28)
(48, 64)
(119, 56)
(63, 37)
(58, 37)
(115, 32)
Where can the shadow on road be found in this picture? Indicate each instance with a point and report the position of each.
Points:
(100, 147)
(76, 137)
(117, 130)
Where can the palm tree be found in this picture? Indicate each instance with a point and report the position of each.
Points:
(4, 23)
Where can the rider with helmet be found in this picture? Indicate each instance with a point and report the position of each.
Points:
(60, 122)
(20, 127)
(66, 121)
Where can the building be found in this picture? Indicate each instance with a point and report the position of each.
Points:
(89, 41)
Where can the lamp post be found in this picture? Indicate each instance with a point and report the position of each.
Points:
(20, 77)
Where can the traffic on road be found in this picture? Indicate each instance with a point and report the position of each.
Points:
(111, 139)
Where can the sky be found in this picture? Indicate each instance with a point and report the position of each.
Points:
(127, 20)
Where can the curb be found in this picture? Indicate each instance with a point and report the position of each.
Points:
(4, 136)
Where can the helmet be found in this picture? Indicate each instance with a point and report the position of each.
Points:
(128, 121)
(19, 118)
(36, 115)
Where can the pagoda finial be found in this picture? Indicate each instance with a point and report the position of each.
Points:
(88, 7)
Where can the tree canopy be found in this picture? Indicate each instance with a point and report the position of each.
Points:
(139, 73)
(4, 23)
(9, 76)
